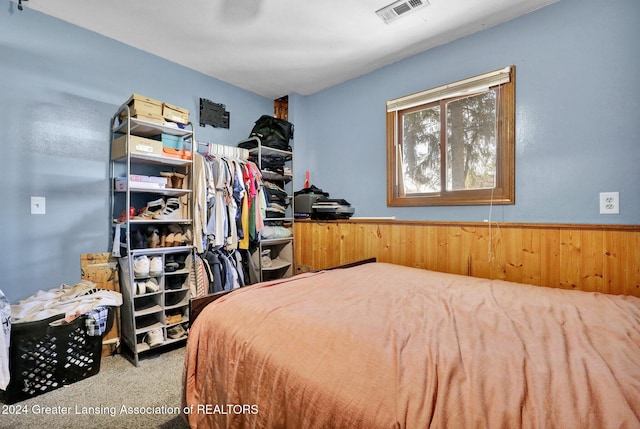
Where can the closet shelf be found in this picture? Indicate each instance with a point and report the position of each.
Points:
(155, 160)
(144, 128)
(274, 241)
(269, 175)
(148, 310)
(277, 264)
(159, 250)
(154, 221)
(169, 192)
(148, 328)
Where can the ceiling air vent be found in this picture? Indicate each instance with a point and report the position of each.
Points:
(399, 8)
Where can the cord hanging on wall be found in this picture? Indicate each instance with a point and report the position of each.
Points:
(213, 114)
(20, 4)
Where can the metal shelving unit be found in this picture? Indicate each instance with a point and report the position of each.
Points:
(282, 255)
(144, 313)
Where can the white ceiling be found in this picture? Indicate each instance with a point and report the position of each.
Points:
(277, 47)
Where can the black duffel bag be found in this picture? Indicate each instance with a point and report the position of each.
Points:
(273, 132)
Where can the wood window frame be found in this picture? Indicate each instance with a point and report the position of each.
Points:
(504, 190)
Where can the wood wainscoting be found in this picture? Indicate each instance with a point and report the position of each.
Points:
(603, 258)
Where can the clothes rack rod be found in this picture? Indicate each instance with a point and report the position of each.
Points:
(227, 151)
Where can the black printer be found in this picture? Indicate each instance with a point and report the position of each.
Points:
(328, 209)
(313, 202)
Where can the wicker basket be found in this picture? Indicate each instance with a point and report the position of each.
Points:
(45, 356)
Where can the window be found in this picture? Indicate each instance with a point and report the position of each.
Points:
(453, 145)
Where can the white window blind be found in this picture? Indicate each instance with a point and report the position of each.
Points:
(468, 86)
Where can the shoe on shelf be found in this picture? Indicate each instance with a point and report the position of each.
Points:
(152, 207)
(174, 318)
(188, 235)
(171, 210)
(137, 240)
(153, 239)
(176, 332)
(141, 288)
(178, 239)
(174, 179)
(155, 265)
(175, 236)
(152, 285)
(181, 260)
(177, 180)
(163, 237)
(266, 258)
(169, 240)
(170, 264)
(141, 266)
(155, 338)
(123, 216)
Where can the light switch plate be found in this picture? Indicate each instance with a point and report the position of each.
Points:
(38, 205)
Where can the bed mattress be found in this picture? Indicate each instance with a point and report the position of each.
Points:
(386, 346)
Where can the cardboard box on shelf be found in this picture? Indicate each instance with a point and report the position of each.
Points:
(145, 115)
(137, 145)
(155, 179)
(143, 103)
(175, 114)
(121, 184)
(145, 108)
(102, 269)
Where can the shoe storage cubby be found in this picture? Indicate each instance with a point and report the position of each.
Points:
(275, 259)
(152, 210)
(154, 302)
(276, 166)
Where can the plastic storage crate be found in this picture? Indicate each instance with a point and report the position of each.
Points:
(44, 356)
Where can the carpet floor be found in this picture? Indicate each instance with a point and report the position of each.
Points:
(119, 396)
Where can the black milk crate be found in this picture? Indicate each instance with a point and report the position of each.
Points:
(45, 356)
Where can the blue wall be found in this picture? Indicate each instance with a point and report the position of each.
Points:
(577, 116)
(59, 87)
(577, 126)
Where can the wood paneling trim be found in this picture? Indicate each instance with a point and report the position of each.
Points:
(602, 258)
(586, 226)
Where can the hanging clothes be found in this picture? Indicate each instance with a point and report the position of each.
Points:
(229, 216)
(200, 171)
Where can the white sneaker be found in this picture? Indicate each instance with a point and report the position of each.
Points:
(266, 258)
(141, 266)
(152, 285)
(140, 288)
(155, 265)
(155, 338)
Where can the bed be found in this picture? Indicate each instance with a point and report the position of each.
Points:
(385, 346)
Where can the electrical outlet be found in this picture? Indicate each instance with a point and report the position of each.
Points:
(38, 205)
(609, 203)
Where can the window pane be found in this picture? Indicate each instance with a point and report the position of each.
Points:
(421, 151)
(471, 142)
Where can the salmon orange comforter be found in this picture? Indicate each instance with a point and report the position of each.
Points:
(386, 346)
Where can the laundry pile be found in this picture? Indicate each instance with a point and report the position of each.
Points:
(70, 300)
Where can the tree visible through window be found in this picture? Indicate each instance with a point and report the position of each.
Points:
(453, 145)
